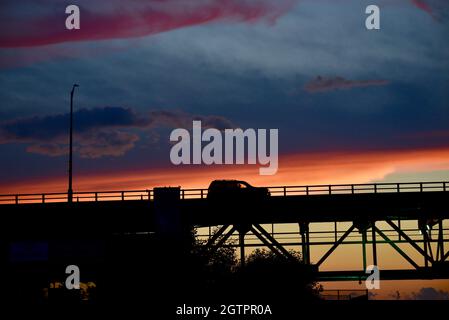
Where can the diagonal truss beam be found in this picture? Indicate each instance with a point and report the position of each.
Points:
(445, 256)
(391, 243)
(216, 236)
(213, 247)
(266, 242)
(273, 241)
(409, 240)
(226, 236)
(336, 244)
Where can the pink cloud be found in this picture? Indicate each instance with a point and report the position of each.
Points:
(437, 9)
(136, 19)
(323, 84)
(421, 4)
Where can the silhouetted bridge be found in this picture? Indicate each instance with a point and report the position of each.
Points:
(410, 217)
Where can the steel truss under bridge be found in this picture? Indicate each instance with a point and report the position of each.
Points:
(426, 255)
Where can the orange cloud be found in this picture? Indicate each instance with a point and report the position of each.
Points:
(295, 169)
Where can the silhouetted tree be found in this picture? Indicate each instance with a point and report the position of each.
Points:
(271, 275)
(141, 269)
(266, 275)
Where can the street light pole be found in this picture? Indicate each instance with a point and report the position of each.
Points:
(70, 190)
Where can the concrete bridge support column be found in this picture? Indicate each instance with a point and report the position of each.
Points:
(373, 228)
(363, 226)
(243, 230)
(440, 249)
(304, 230)
(242, 248)
(364, 249)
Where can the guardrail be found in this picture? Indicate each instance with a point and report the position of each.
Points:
(202, 193)
(344, 294)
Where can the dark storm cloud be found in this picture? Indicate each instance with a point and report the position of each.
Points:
(323, 84)
(430, 294)
(92, 144)
(108, 131)
(180, 119)
(55, 126)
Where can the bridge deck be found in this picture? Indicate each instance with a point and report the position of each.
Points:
(102, 215)
(138, 215)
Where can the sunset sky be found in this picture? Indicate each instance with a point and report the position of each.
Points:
(380, 110)
(351, 105)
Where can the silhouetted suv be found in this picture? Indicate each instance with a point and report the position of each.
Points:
(231, 189)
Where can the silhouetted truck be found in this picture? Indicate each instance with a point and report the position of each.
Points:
(235, 189)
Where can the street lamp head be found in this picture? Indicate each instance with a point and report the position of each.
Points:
(73, 89)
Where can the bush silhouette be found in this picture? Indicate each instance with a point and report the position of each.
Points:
(265, 275)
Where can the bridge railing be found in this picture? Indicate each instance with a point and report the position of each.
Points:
(193, 193)
(360, 188)
(344, 294)
(202, 193)
(77, 196)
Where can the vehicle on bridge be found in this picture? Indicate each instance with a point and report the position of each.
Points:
(235, 189)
